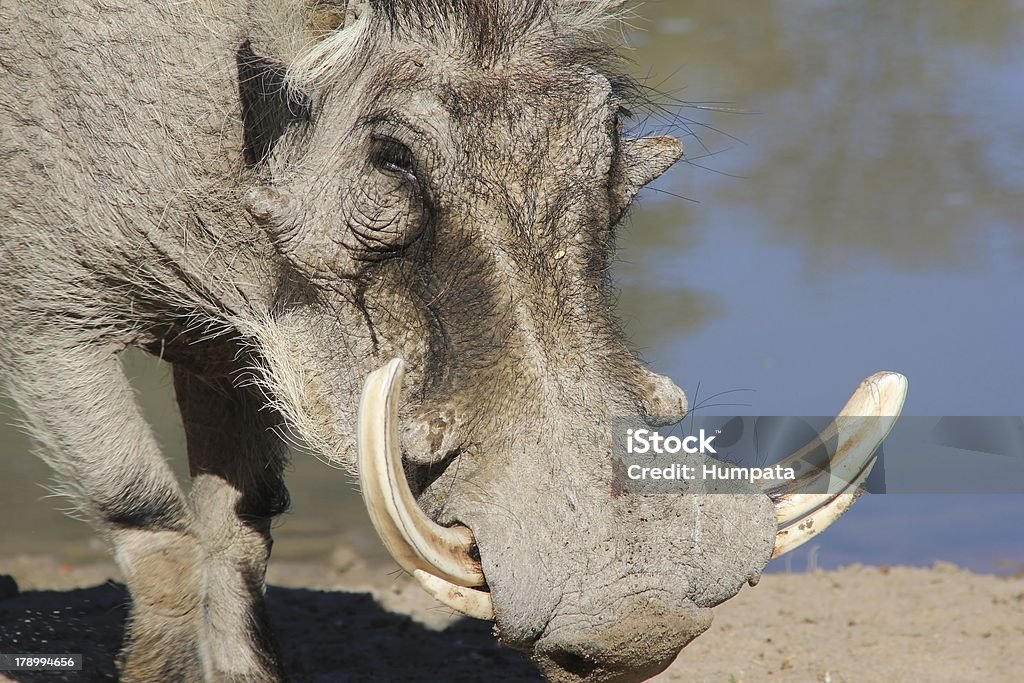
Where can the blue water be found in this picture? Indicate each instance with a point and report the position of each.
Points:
(800, 345)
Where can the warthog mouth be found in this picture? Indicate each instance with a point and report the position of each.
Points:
(445, 560)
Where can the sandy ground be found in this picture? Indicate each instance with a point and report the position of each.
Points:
(342, 620)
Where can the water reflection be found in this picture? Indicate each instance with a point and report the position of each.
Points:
(883, 130)
(855, 205)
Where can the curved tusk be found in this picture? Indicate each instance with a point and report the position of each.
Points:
(413, 539)
(795, 535)
(861, 427)
(468, 601)
(879, 396)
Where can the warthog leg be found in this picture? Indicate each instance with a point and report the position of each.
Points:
(81, 408)
(236, 463)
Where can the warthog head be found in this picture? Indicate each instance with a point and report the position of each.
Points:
(442, 182)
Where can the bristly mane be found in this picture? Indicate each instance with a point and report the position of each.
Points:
(490, 29)
(565, 31)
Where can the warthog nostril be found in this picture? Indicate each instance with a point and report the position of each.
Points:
(633, 642)
(589, 656)
(582, 662)
(564, 660)
(573, 663)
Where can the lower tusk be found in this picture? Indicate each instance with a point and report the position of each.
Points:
(858, 431)
(467, 601)
(413, 539)
(798, 533)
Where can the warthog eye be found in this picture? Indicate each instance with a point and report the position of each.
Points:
(391, 156)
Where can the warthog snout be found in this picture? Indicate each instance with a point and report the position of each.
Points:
(646, 632)
(623, 585)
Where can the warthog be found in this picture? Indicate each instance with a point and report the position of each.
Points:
(280, 197)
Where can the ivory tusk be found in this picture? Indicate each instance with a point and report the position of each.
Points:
(467, 601)
(413, 539)
(861, 427)
(798, 533)
(859, 430)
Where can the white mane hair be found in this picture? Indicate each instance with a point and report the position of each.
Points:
(485, 29)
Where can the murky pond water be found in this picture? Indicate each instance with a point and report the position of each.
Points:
(853, 201)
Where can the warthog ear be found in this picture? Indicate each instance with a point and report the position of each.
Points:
(641, 160)
(269, 104)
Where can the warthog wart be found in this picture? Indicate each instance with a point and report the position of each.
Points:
(300, 204)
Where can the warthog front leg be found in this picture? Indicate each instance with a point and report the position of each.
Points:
(81, 408)
(236, 462)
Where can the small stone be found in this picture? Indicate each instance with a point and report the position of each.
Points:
(344, 559)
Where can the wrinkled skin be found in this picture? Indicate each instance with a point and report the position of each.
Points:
(277, 230)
